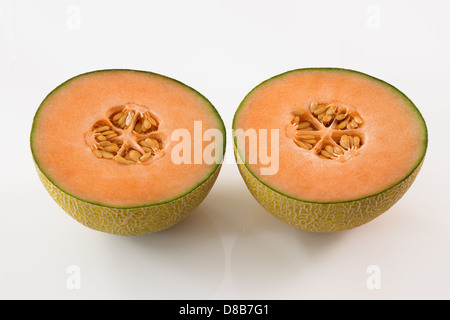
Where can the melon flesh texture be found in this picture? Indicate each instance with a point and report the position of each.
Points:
(394, 135)
(62, 154)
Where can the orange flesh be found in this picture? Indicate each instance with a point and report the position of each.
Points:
(394, 137)
(62, 153)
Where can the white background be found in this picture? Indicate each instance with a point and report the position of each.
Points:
(229, 247)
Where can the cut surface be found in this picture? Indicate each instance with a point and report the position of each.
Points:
(105, 137)
(343, 135)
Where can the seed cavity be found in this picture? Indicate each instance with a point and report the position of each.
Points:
(124, 135)
(328, 130)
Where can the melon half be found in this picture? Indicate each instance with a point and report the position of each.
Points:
(119, 150)
(327, 149)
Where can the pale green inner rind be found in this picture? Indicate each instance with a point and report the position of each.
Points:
(414, 109)
(208, 103)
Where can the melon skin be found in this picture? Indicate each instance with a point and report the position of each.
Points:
(323, 217)
(129, 221)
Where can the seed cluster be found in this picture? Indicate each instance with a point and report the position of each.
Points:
(105, 145)
(111, 142)
(329, 113)
(123, 119)
(342, 123)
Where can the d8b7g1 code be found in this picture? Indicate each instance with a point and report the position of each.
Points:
(245, 309)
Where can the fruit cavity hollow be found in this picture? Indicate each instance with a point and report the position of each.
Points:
(328, 130)
(127, 134)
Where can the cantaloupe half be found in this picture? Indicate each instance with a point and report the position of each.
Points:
(327, 149)
(127, 152)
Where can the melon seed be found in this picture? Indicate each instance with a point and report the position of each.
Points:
(112, 135)
(117, 116)
(122, 120)
(97, 153)
(134, 155)
(350, 142)
(147, 124)
(325, 154)
(343, 124)
(344, 141)
(298, 112)
(112, 148)
(303, 125)
(307, 136)
(143, 143)
(305, 129)
(101, 129)
(358, 119)
(122, 160)
(352, 125)
(338, 150)
(138, 127)
(152, 143)
(327, 118)
(320, 110)
(100, 138)
(145, 156)
(129, 118)
(152, 121)
(329, 149)
(107, 155)
(302, 144)
(331, 111)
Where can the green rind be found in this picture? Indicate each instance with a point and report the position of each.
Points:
(324, 217)
(414, 168)
(131, 221)
(146, 205)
